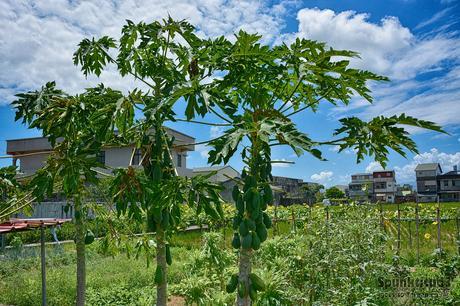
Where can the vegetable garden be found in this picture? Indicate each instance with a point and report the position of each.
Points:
(346, 259)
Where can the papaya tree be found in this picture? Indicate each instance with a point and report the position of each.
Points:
(76, 128)
(261, 89)
(173, 64)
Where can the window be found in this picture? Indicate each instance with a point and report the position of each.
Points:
(453, 182)
(137, 157)
(446, 183)
(179, 160)
(100, 157)
(380, 185)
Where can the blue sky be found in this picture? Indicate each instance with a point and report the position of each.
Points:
(415, 43)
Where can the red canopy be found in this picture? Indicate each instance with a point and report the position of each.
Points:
(16, 225)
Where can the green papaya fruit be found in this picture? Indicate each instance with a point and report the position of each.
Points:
(255, 205)
(242, 292)
(268, 194)
(235, 193)
(168, 255)
(236, 242)
(255, 214)
(232, 283)
(158, 275)
(243, 228)
(255, 241)
(164, 219)
(262, 232)
(247, 241)
(236, 222)
(256, 282)
(263, 206)
(267, 221)
(252, 294)
(251, 224)
(240, 205)
(89, 237)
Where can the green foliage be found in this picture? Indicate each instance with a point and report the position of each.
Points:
(334, 193)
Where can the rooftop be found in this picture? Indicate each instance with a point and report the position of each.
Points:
(427, 167)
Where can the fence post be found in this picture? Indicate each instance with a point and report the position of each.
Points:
(43, 263)
(399, 230)
(417, 231)
(2, 242)
(457, 221)
(410, 233)
(382, 223)
(438, 220)
(293, 221)
(275, 224)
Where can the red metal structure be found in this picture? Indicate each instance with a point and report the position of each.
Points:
(18, 225)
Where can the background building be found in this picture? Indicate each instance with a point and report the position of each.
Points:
(427, 182)
(361, 188)
(384, 186)
(30, 154)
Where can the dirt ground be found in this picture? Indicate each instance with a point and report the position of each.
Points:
(176, 301)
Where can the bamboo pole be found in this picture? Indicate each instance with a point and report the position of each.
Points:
(43, 263)
(438, 220)
(417, 233)
(399, 230)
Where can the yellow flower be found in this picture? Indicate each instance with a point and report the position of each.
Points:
(435, 223)
(427, 236)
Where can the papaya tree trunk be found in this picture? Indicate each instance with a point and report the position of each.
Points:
(244, 271)
(80, 246)
(162, 287)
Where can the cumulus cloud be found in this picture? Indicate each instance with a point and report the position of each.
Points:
(323, 176)
(373, 166)
(203, 150)
(38, 38)
(389, 48)
(446, 160)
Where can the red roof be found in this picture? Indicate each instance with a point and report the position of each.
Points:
(16, 225)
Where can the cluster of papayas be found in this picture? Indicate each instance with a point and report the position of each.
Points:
(255, 284)
(251, 222)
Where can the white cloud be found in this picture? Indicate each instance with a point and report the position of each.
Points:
(216, 131)
(377, 43)
(435, 18)
(391, 49)
(203, 150)
(38, 38)
(373, 166)
(446, 160)
(323, 176)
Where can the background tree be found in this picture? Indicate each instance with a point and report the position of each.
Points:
(334, 193)
(172, 63)
(311, 192)
(261, 89)
(76, 127)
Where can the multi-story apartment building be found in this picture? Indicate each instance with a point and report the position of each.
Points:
(33, 152)
(371, 187)
(427, 183)
(361, 188)
(30, 154)
(384, 186)
(449, 186)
